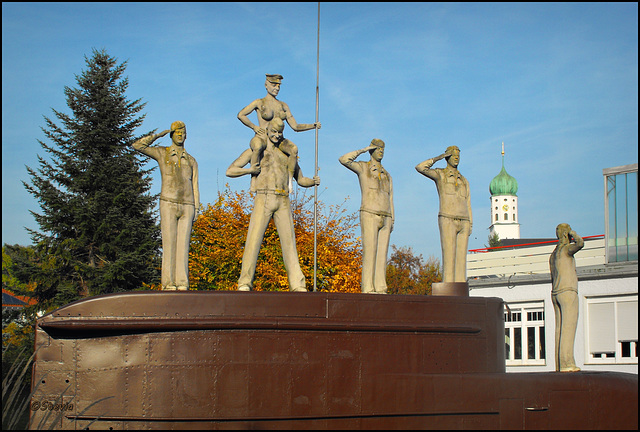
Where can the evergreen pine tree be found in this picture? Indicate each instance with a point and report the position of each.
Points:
(98, 233)
(494, 241)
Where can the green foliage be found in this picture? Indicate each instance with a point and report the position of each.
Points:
(410, 274)
(17, 268)
(494, 240)
(16, 383)
(17, 355)
(17, 338)
(98, 232)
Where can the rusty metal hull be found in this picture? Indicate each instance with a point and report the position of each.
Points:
(228, 360)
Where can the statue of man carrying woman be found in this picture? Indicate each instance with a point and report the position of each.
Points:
(268, 108)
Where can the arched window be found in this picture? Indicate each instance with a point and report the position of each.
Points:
(496, 217)
(506, 217)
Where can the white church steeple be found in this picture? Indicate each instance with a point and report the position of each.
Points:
(504, 205)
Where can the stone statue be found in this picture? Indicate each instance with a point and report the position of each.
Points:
(271, 200)
(267, 109)
(454, 218)
(179, 202)
(376, 214)
(564, 295)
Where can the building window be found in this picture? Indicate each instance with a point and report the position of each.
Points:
(496, 217)
(524, 334)
(621, 213)
(506, 217)
(612, 329)
(514, 217)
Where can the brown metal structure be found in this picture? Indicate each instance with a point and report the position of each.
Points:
(255, 360)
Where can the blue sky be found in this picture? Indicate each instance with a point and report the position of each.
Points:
(556, 82)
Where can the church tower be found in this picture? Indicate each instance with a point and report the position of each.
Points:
(504, 205)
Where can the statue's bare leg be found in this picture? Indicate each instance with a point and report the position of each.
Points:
(257, 144)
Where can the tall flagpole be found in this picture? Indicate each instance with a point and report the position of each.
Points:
(315, 188)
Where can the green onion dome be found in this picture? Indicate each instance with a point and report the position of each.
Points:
(503, 183)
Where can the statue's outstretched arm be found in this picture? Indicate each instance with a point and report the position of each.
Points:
(424, 168)
(348, 159)
(144, 142)
(305, 181)
(294, 125)
(236, 169)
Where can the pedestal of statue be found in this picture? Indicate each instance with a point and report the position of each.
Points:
(211, 360)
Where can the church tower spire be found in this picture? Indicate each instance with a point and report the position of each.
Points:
(504, 205)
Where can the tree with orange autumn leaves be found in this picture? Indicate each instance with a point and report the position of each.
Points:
(408, 273)
(219, 233)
